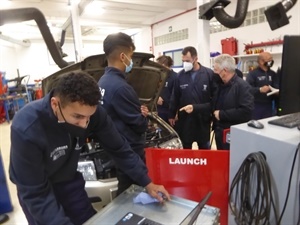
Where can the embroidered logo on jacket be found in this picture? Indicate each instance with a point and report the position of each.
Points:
(102, 91)
(58, 152)
(204, 87)
(184, 86)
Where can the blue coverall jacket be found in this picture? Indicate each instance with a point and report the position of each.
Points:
(198, 92)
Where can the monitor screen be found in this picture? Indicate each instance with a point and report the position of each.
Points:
(289, 77)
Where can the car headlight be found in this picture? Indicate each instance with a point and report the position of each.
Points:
(174, 143)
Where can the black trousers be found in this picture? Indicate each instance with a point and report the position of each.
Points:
(73, 198)
(202, 146)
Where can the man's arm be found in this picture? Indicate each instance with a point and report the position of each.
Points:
(28, 173)
(174, 102)
(126, 159)
(251, 81)
(243, 109)
(204, 108)
(128, 108)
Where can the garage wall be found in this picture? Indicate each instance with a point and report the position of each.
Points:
(259, 32)
(245, 35)
(7, 55)
(142, 40)
(184, 21)
(35, 60)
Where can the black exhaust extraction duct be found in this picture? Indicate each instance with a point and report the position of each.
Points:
(60, 43)
(24, 14)
(215, 8)
(276, 14)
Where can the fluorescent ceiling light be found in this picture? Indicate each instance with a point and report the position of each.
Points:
(94, 8)
(5, 3)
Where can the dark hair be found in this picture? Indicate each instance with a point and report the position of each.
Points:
(191, 50)
(77, 87)
(116, 41)
(165, 60)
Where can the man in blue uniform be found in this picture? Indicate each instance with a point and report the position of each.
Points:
(46, 140)
(260, 80)
(120, 99)
(163, 101)
(233, 103)
(191, 99)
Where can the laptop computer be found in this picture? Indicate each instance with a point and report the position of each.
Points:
(134, 219)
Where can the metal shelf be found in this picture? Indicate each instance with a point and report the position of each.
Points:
(253, 55)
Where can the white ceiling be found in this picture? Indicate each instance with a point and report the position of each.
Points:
(118, 15)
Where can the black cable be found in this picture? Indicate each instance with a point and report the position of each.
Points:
(256, 208)
(289, 184)
(251, 196)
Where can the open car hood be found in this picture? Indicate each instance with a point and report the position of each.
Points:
(146, 77)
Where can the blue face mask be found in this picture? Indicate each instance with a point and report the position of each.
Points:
(128, 68)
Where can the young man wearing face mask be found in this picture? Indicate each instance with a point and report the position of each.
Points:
(260, 80)
(120, 99)
(46, 140)
(191, 99)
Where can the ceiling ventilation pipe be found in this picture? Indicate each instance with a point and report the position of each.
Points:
(227, 20)
(276, 15)
(24, 14)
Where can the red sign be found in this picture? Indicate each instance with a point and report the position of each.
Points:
(191, 174)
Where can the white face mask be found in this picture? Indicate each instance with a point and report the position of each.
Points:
(187, 66)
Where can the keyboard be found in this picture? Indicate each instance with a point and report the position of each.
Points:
(134, 219)
(290, 121)
(149, 222)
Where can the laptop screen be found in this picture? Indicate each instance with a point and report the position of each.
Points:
(193, 215)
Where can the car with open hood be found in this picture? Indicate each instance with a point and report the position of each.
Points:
(147, 78)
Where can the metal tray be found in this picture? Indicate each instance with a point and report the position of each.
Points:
(170, 212)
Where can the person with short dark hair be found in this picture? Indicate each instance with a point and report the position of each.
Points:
(191, 100)
(47, 136)
(233, 102)
(163, 101)
(120, 99)
(260, 80)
